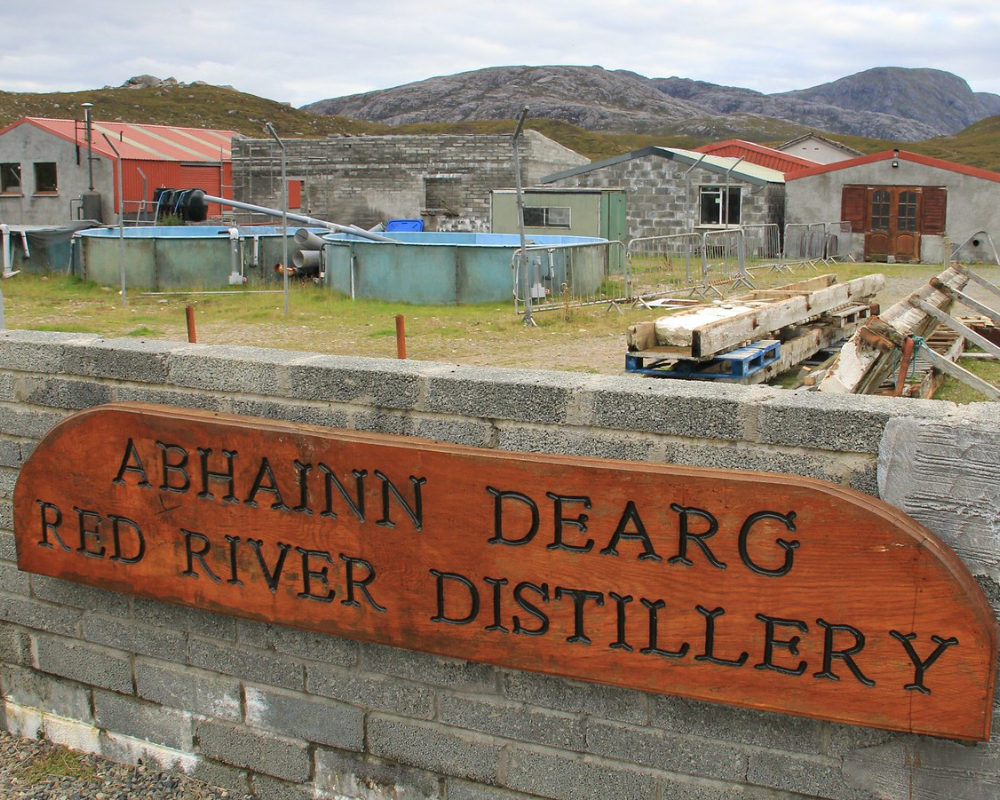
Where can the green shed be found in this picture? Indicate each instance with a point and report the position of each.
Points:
(563, 211)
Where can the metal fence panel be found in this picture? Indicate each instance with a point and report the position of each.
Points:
(573, 274)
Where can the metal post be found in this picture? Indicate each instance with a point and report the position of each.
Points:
(90, 145)
(121, 219)
(520, 219)
(284, 212)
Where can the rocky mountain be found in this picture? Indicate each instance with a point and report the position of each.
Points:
(890, 103)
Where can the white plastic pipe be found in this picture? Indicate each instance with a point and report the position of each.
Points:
(316, 223)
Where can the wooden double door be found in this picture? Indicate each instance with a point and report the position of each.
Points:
(893, 218)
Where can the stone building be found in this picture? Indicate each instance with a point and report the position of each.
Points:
(445, 180)
(678, 191)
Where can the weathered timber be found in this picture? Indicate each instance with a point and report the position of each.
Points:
(962, 374)
(774, 592)
(721, 327)
(863, 365)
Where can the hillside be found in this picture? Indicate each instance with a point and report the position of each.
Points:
(886, 103)
(150, 100)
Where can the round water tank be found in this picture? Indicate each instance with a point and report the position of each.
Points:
(92, 206)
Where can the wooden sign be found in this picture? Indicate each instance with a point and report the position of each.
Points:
(769, 591)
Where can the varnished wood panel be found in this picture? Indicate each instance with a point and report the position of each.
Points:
(768, 591)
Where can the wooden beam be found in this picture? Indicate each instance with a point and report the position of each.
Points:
(963, 330)
(959, 372)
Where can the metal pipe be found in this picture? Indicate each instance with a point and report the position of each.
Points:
(520, 218)
(284, 213)
(307, 240)
(121, 219)
(90, 144)
(316, 223)
(725, 205)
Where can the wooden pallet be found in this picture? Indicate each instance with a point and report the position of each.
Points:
(736, 365)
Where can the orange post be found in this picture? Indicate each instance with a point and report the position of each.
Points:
(400, 337)
(192, 335)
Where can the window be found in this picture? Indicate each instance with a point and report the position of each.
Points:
(880, 210)
(719, 205)
(10, 178)
(45, 177)
(547, 217)
(907, 213)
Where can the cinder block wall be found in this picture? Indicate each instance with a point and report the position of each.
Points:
(286, 714)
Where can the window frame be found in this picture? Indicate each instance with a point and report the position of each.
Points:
(11, 168)
(730, 205)
(551, 217)
(39, 168)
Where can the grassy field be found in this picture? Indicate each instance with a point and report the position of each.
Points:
(589, 339)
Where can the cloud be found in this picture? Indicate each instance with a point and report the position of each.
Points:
(308, 50)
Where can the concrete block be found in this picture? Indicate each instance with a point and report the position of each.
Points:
(188, 689)
(46, 693)
(813, 777)
(743, 726)
(434, 747)
(510, 720)
(88, 664)
(651, 747)
(425, 668)
(302, 644)
(758, 458)
(578, 441)
(12, 579)
(191, 620)
(38, 351)
(464, 790)
(376, 692)
(574, 697)
(674, 408)
(323, 414)
(15, 645)
(154, 723)
(40, 616)
(374, 382)
(135, 638)
(125, 393)
(379, 420)
(8, 477)
(7, 382)
(472, 433)
(283, 758)
(570, 777)
(139, 360)
(311, 718)
(78, 595)
(252, 370)
(8, 549)
(246, 662)
(7, 517)
(72, 394)
(265, 786)
(27, 422)
(236, 781)
(347, 775)
(505, 394)
(835, 422)
(11, 454)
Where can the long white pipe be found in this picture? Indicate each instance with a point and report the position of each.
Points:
(318, 223)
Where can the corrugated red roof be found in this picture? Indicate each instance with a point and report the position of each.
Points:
(901, 155)
(145, 142)
(756, 154)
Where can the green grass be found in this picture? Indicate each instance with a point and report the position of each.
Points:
(57, 763)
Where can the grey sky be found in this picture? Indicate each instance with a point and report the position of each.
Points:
(305, 50)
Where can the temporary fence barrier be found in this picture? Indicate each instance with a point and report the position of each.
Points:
(805, 241)
(549, 277)
(725, 261)
(662, 265)
(763, 243)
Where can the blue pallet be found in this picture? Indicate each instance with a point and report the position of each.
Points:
(734, 365)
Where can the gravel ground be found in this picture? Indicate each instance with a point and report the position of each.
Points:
(37, 770)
